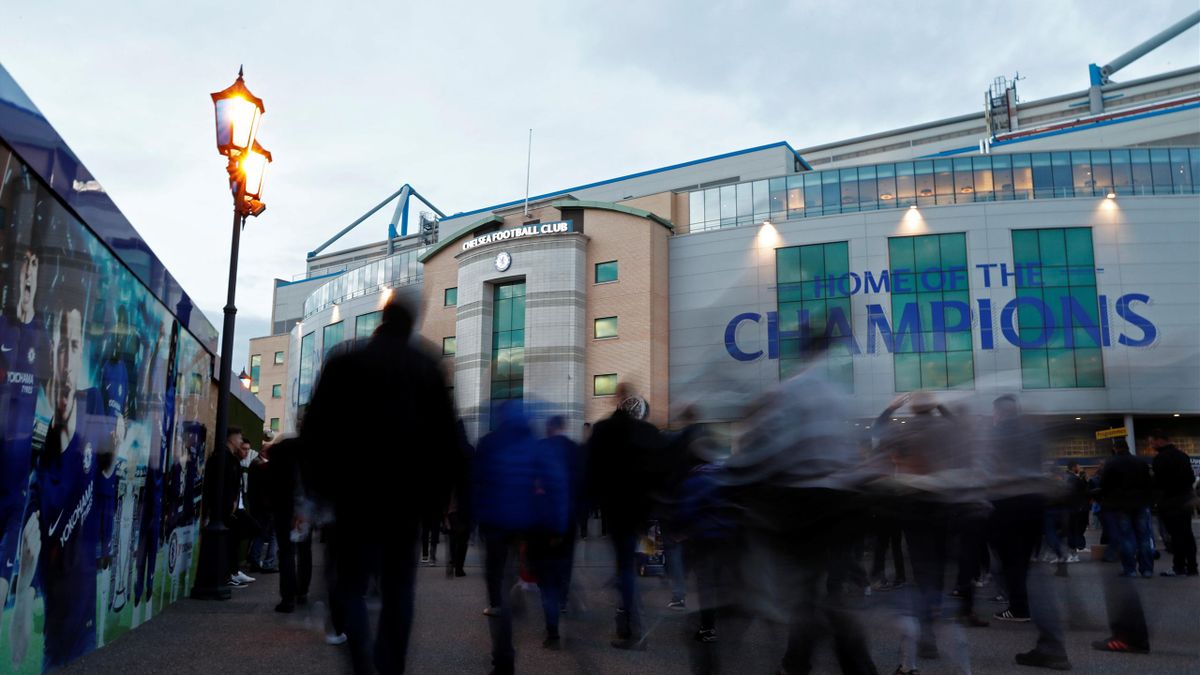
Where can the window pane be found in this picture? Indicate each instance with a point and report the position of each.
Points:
(795, 196)
(365, 324)
(449, 346)
(745, 203)
(450, 297)
(604, 385)
(1181, 171)
(1079, 246)
(1101, 172)
(331, 337)
(982, 167)
(1061, 365)
(1033, 369)
(1140, 164)
(1122, 172)
(712, 208)
(1052, 247)
(1081, 173)
(696, 209)
(1089, 367)
(908, 372)
(605, 327)
(1160, 162)
(728, 205)
(606, 271)
(762, 201)
(278, 358)
(778, 204)
(787, 265)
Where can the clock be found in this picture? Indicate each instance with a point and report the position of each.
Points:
(503, 261)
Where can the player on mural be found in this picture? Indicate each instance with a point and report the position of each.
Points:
(62, 532)
(24, 350)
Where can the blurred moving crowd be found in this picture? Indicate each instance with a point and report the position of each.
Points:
(779, 524)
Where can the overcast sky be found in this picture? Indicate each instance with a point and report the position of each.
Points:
(361, 99)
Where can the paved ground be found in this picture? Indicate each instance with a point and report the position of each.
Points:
(245, 635)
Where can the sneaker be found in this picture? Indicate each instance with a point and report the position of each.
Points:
(491, 611)
(1148, 574)
(1112, 644)
(706, 636)
(243, 577)
(1007, 615)
(956, 593)
(335, 640)
(999, 597)
(285, 608)
(1169, 573)
(233, 582)
(424, 560)
(1037, 659)
(1073, 558)
(677, 605)
(887, 586)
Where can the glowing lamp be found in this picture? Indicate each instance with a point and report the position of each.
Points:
(238, 113)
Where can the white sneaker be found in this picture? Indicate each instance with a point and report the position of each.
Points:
(243, 577)
(335, 640)
(234, 582)
(1073, 558)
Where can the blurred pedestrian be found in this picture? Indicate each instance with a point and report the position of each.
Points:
(1173, 479)
(1126, 492)
(459, 513)
(387, 405)
(551, 542)
(291, 532)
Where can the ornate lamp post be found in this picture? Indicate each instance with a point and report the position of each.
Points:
(238, 113)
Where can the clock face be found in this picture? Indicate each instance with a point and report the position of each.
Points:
(503, 261)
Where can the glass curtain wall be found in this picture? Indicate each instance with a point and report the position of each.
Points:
(1058, 316)
(508, 345)
(1001, 177)
(809, 296)
(930, 284)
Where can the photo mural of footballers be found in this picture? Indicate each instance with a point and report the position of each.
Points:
(99, 478)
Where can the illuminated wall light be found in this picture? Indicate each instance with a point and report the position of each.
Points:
(767, 238)
(1175, 415)
(1111, 195)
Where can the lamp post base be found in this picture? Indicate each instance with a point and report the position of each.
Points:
(210, 584)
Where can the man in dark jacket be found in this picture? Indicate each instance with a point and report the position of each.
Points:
(379, 439)
(622, 453)
(1173, 479)
(283, 489)
(231, 481)
(1125, 495)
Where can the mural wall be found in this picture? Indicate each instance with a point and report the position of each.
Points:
(104, 419)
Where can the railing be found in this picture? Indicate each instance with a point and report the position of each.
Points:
(397, 270)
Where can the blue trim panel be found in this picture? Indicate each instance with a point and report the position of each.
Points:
(1059, 132)
(38, 144)
(640, 174)
(280, 282)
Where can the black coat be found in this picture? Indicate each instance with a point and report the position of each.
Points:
(1125, 483)
(379, 436)
(625, 459)
(1173, 477)
(231, 481)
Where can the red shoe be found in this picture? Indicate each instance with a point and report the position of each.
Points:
(1115, 645)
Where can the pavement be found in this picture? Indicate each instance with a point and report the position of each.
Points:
(450, 635)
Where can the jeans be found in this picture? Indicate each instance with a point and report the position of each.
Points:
(675, 567)
(1016, 522)
(497, 544)
(887, 533)
(1054, 520)
(264, 547)
(550, 557)
(624, 538)
(1130, 528)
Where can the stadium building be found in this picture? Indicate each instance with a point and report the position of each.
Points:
(1045, 248)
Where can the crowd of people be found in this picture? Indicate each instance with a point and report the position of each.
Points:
(778, 524)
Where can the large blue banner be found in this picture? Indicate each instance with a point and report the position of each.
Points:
(104, 418)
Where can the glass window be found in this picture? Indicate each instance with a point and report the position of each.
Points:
(1002, 176)
(814, 302)
(905, 185)
(1160, 169)
(605, 327)
(712, 208)
(795, 196)
(943, 179)
(1181, 171)
(449, 346)
(255, 372)
(868, 197)
(1140, 163)
(849, 182)
(830, 194)
(1060, 166)
(1081, 173)
(365, 324)
(274, 424)
(1101, 173)
(778, 199)
(762, 201)
(277, 391)
(982, 172)
(1122, 172)
(886, 180)
(936, 352)
(508, 345)
(728, 205)
(924, 183)
(696, 210)
(1058, 318)
(964, 179)
(812, 193)
(1043, 176)
(606, 272)
(1022, 169)
(279, 358)
(604, 385)
(308, 367)
(745, 203)
(331, 337)
(450, 297)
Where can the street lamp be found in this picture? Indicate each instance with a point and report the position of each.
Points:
(245, 379)
(238, 114)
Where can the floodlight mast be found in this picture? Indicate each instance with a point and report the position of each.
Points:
(1099, 76)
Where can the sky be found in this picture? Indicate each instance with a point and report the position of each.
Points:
(362, 97)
